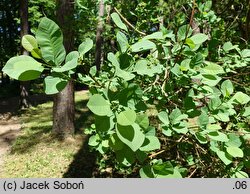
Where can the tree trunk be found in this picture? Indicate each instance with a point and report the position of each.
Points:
(99, 39)
(64, 105)
(24, 86)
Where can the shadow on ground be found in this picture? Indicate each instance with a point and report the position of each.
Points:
(83, 164)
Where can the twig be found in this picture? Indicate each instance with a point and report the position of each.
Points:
(192, 173)
(157, 153)
(128, 23)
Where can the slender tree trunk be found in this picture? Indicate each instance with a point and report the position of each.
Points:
(99, 39)
(64, 106)
(24, 86)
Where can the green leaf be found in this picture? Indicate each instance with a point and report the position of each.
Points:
(227, 88)
(142, 68)
(126, 117)
(182, 32)
(190, 43)
(104, 123)
(117, 20)
(122, 41)
(163, 116)
(234, 140)
(36, 53)
(235, 152)
(143, 121)
(213, 68)
(150, 131)
(29, 42)
(150, 143)
(203, 119)
(201, 138)
(222, 116)
(124, 74)
(197, 60)
(125, 156)
(176, 116)
(199, 38)
(241, 174)
(142, 45)
(23, 68)
(99, 106)
(240, 98)
(50, 39)
(120, 73)
(154, 36)
(245, 53)
(218, 136)
(214, 103)
(246, 112)
(210, 80)
(71, 62)
(176, 174)
(115, 143)
(113, 59)
(163, 168)
(180, 127)
(141, 156)
(147, 172)
(228, 46)
(85, 46)
(131, 135)
(94, 140)
(53, 85)
(225, 157)
(166, 130)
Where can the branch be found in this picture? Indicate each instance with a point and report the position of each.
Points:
(128, 23)
(166, 70)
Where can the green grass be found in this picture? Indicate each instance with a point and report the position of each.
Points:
(37, 152)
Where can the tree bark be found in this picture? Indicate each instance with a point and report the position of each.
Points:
(64, 105)
(99, 39)
(24, 86)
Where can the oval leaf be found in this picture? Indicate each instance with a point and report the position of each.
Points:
(117, 20)
(50, 39)
(143, 45)
(23, 68)
(150, 143)
(126, 117)
(227, 88)
(85, 46)
(122, 40)
(131, 135)
(240, 98)
(53, 85)
(213, 68)
(29, 42)
(99, 106)
(235, 152)
(199, 38)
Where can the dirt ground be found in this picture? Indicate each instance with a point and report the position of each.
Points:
(10, 125)
(9, 130)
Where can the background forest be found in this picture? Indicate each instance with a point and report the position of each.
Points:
(115, 88)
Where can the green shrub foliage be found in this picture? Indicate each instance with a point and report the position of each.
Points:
(162, 108)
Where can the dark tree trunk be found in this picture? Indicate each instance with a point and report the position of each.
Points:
(24, 86)
(64, 106)
(99, 39)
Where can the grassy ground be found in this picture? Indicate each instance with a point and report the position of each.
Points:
(39, 153)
